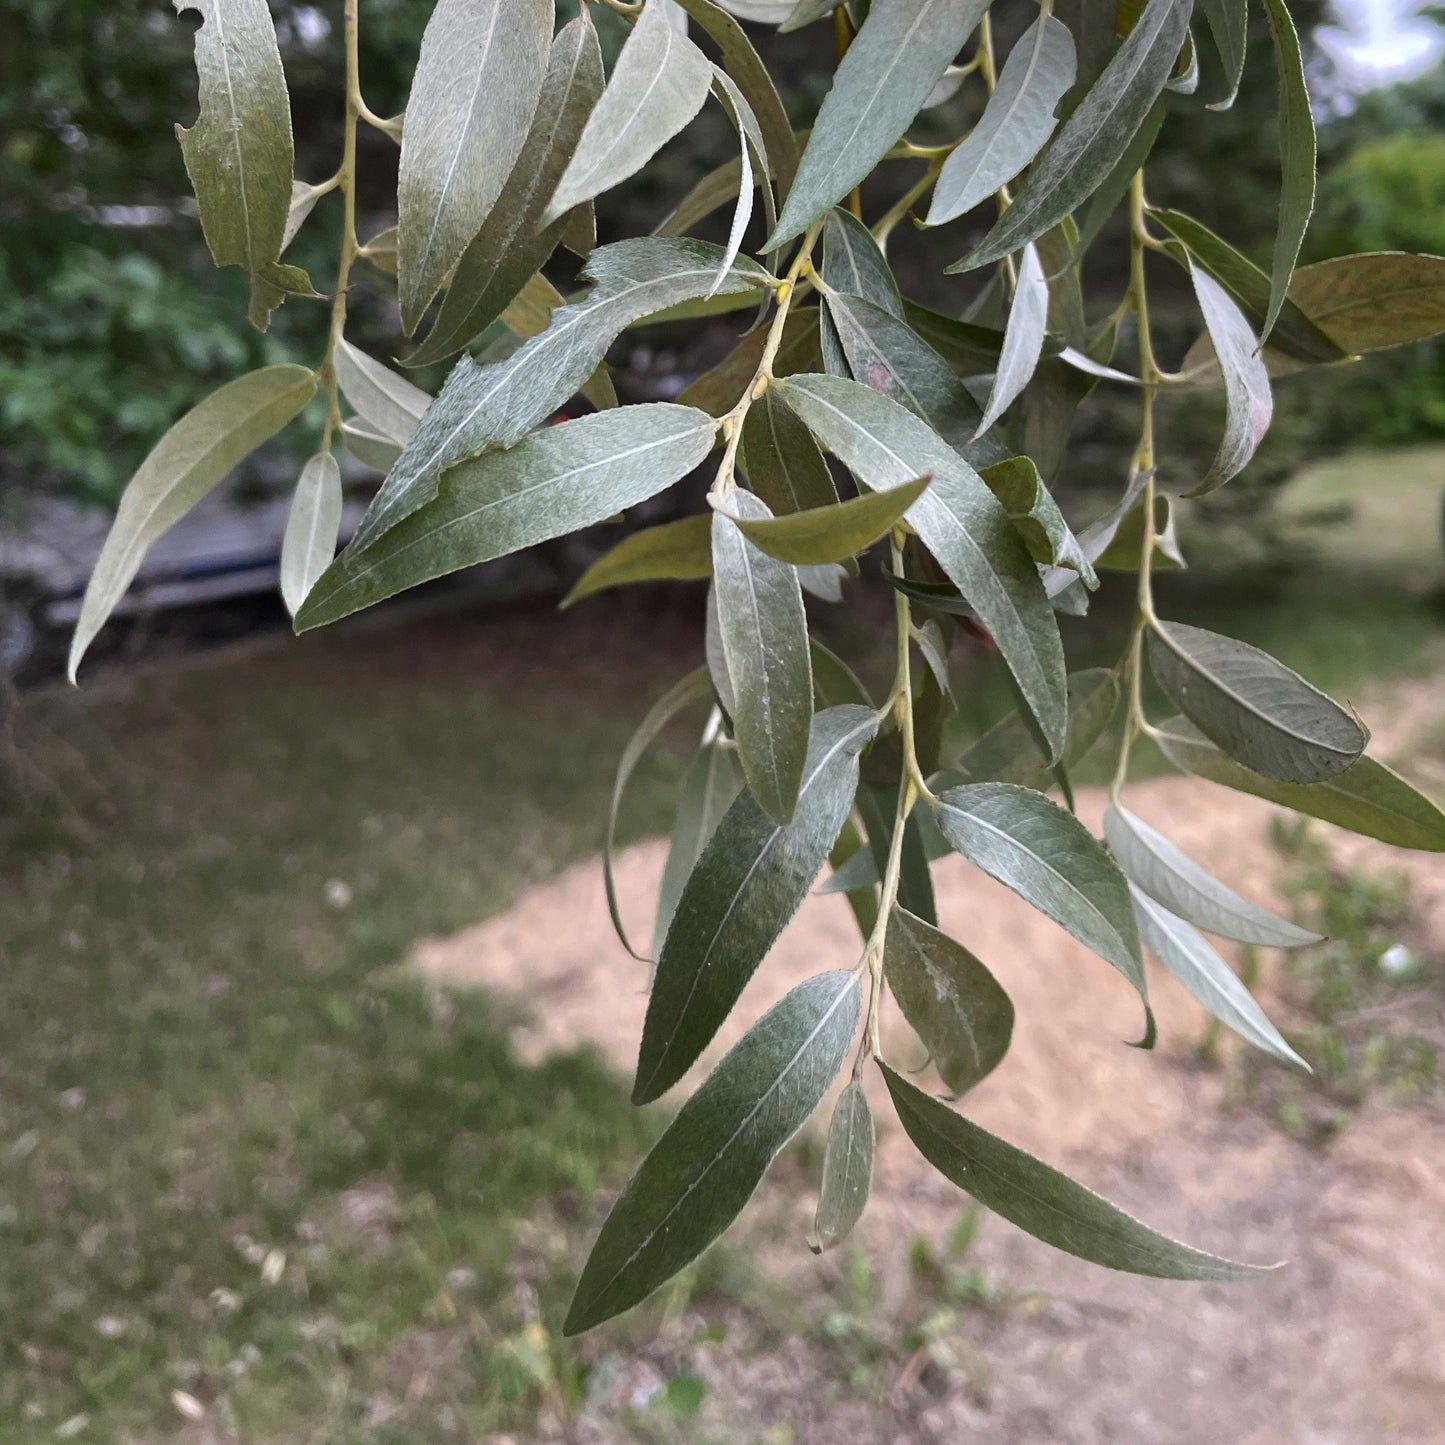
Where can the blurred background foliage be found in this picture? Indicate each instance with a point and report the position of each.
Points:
(113, 321)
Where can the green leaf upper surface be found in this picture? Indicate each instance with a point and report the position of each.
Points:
(707, 1164)
(1366, 798)
(496, 405)
(659, 83)
(1090, 142)
(847, 1169)
(707, 792)
(1050, 860)
(764, 633)
(1374, 300)
(1051, 542)
(832, 533)
(1171, 878)
(896, 59)
(1042, 1201)
(959, 520)
(1023, 337)
(472, 99)
(182, 467)
(853, 262)
(387, 402)
(1259, 711)
(311, 529)
(512, 243)
(1184, 951)
(885, 353)
(877, 805)
(747, 885)
(952, 1002)
(1294, 332)
(1017, 120)
(551, 483)
(782, 461)
(678, 551)
(239, 154)
(1249, 403)
(1297, 156)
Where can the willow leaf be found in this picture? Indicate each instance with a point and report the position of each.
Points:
(707, 792)
(1042, 1201)
(1023, 337)
(678, 551)
(749, 882)
(847, 1169)
(239, 154)
(1089, 144)
(385, 401)
(312, 527)
(883, 81)
(1374, 300)
(556, 481)
(713, 1155)
(1016, 122)
(512, 243)
(473, 97)
(1257, 710)
(659, 83)
(182, 467)
(781, 459)
(764, 633)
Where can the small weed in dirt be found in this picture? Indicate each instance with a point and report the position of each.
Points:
(1368, 1003)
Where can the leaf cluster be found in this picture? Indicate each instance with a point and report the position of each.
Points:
(849, 422)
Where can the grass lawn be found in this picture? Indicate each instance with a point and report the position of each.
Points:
(240, 1158)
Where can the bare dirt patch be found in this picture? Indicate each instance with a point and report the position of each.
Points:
(1345, 1346)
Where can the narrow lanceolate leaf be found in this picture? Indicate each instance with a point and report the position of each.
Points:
(877, 805)
(239, 154)
(828, 534)
(1374, 300)
(556, 481)
(750, 146)
(389, 403)
(1367, 798)
(1031, 507)
(472, 101)
(888, 355)
(1297, 156)
(1023, 338)
(1249, 403)
(1190, 958)
(748, 883)
(678, 551)
(1084, 152)
(888, 73)
(960, 521)
(498, 404)
(1017, 121)
(765, 644)
(782, 461)
(182, 467)
(853, 262)
(512, 243)
(311, 529)
(847, 1169)
(746, 68)
(1294, 332)
(708, 790)
(1252, 706)
(659, 83)
(1172, 878)
(1229, 24)
(1042, 1201)
(713, 1155)
(1053, 862)
(953, 1003)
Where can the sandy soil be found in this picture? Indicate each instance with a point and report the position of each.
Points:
(1345, 1346)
